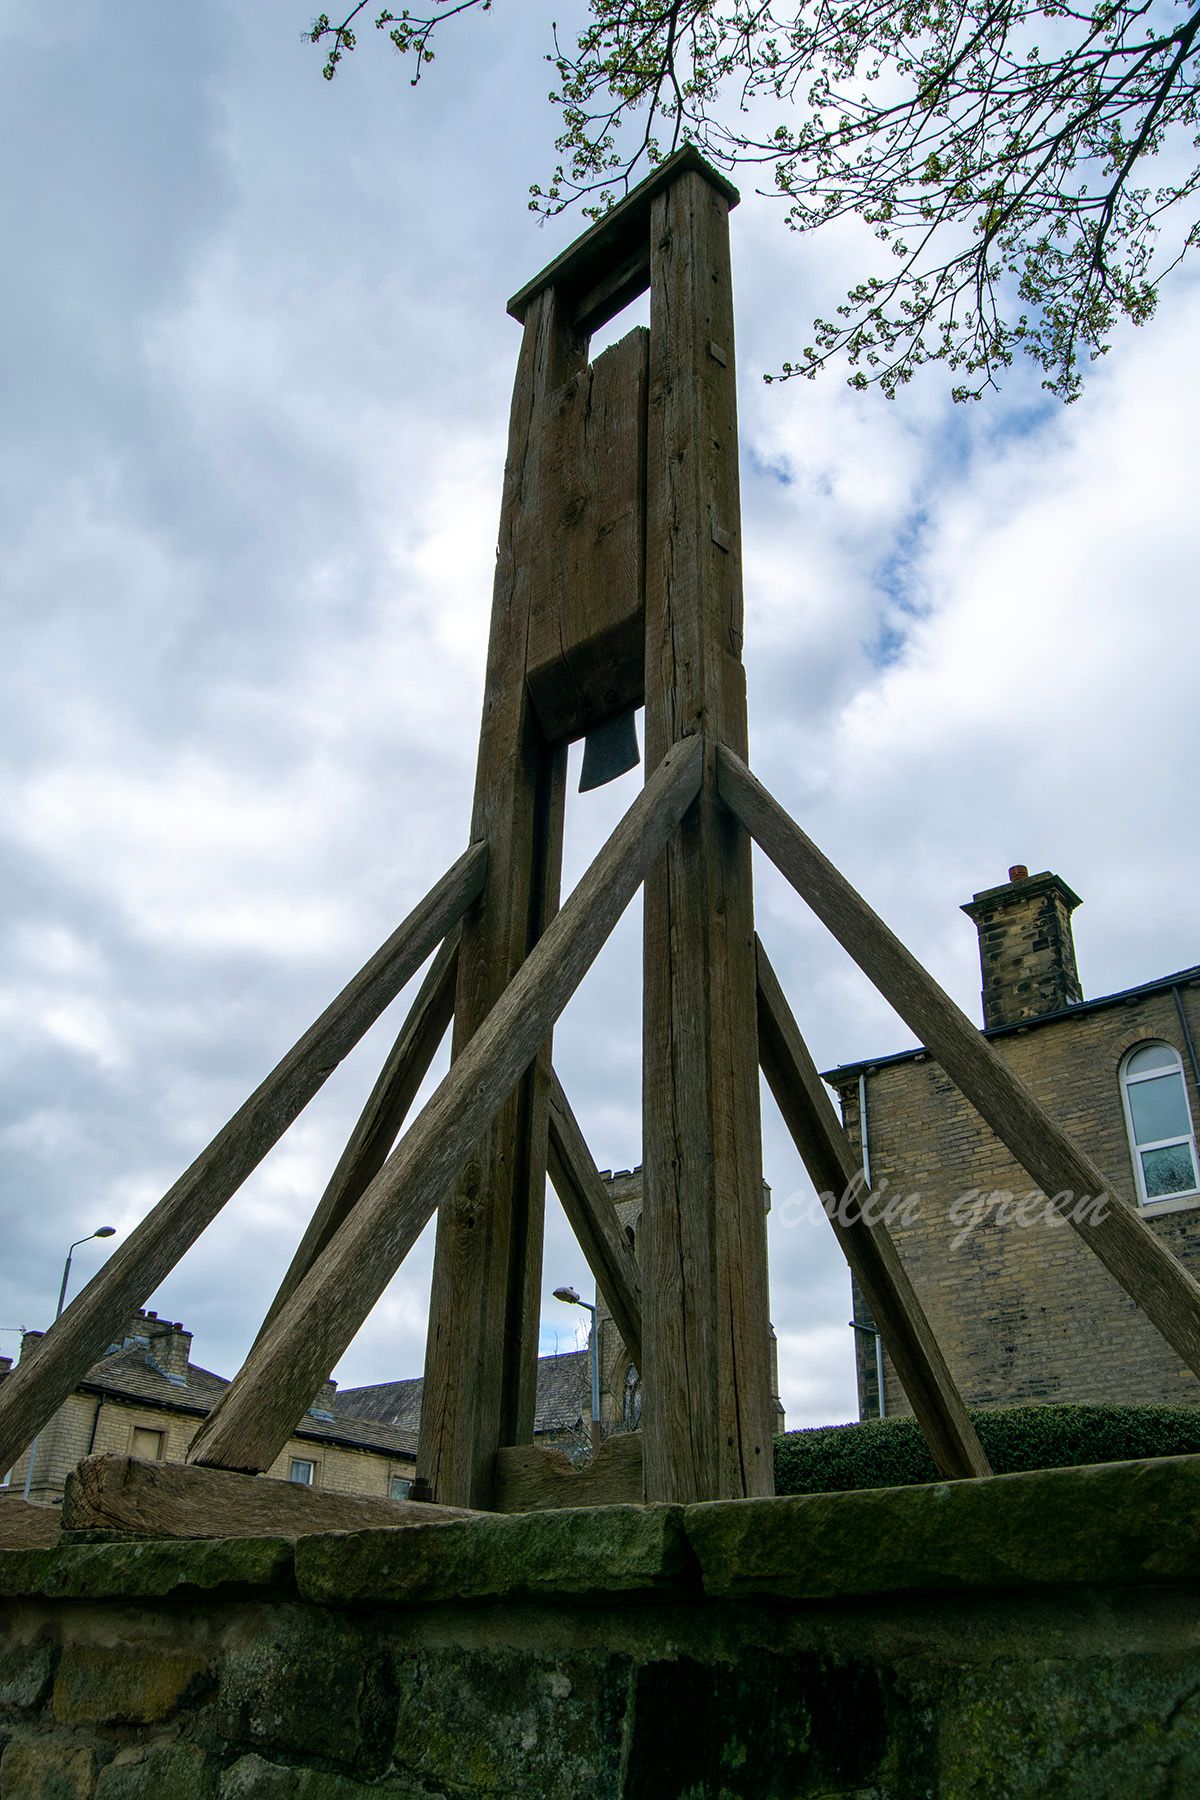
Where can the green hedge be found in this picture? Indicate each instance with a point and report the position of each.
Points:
(892, 1452)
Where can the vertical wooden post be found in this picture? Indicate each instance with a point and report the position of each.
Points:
(481, 1352)
(707, 1418)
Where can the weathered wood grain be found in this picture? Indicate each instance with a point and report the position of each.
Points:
(295, 1355)
(27, 1527)
(37, 1387)
(379, 1123)
(530, 1478)
(593, 1218)
(178, 1500)
(482, 1343)
(707, 1423)
(586, 651)
(1122, 1240)
(862, 1233)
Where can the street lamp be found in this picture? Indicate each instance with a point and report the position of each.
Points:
(100, 1231)
(571, 1298)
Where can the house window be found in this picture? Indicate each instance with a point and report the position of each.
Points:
(303, 1472)
(400, 1486)
(147, 1444)
(1159, 1123)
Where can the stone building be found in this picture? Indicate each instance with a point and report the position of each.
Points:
(1023, 1309)
(146, 1398)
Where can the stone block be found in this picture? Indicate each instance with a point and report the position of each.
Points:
(252, 1778)
(508, 1722)
(41, 1769)
(106, 1685)
(603, 1549)
(25, 1674)
(149, 1568)
(1115, 1523)
(315, 1686)
(163, 1772)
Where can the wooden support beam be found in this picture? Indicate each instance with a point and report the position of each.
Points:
(482, 1344)
(175, 1500)
(37, 1387)
(1123, 1241)
(286, 1367)
(708, 1418)
(863, 1235)
(382, 1117)
(593, 1218)
(537, 1478)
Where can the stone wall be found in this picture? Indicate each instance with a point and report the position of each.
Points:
(1024, 1636)
(1023, 1310)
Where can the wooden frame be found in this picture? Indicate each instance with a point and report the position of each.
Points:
(639, 450)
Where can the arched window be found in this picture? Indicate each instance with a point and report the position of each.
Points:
(631, 1399)
(1159, 1123)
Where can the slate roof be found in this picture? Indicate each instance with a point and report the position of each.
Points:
(132, 1374)
(564, 1397)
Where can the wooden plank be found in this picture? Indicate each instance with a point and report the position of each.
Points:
(586, 651)
(862, 1233)
(708, 1417)
(284, 1370)
(593, 1218)
(614, 240)
(37, 1387)
(1123, 1241)
(535, 1478)
(24, 1526)
(482, 1343)
(177, 1500)
(382, 1117)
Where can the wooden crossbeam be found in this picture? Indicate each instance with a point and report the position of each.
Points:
(862, 1234)
(285, 1369)
(37, 1387)
(1120, 1237)
(593, 1218)
(382, 1117)
(172, 1500)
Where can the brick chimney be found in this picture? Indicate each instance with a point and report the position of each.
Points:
(1026, 949)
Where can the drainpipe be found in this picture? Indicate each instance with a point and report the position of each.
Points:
(1187, 1034)
(864, 1140)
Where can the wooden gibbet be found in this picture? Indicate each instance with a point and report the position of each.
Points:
(618, 584)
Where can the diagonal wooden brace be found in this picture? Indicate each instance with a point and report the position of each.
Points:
(382, 1117)
(1129, 1250)
(862, 1234)
(593, 1218)
(35, 1390)
(286, 1367)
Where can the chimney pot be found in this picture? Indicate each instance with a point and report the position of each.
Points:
(1018, 872)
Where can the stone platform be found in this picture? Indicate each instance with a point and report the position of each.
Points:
(1028, 1635)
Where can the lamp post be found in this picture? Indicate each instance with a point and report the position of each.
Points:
(571, 1298)
(101, 1231)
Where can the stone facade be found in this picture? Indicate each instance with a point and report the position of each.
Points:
(1023, 1310)
(147, 1398)
(1031, 1635)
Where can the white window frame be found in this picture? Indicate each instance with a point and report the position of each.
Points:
(1186, 1195)
(303, 1462)
(399, 1475)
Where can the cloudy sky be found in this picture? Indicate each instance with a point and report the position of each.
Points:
(256, 373)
